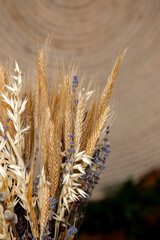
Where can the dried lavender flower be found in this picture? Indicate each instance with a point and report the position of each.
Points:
(71, 232)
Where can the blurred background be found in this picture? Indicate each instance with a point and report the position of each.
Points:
(126, 203)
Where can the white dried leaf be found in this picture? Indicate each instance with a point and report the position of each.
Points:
(82, 193)
(15, 167)
(5, 99)
(10, 88)
(1, 127)
(11, 116)
(89, 94)
(25, 129)
(79, 167)
(65, 202)
(12, 103)
(23, 105)
(86, 160)
(3, 143)
(16, 107)
(15, 126)
(17, 67)
(66, 179)
(3, 172)
(79, 154)
(71, 190)
(76, 175)
(15, 77)
(15, 86)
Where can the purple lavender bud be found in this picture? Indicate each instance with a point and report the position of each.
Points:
(75, 77)
(70, 232)
(71, 135)
(73, 90)
(5, 137)
(71, 143)
(76, 101)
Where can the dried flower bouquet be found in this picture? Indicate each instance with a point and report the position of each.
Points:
(52, 150)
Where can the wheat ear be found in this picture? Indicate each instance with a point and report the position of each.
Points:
(43, 136)
(92, 141)
(30, 134)
(110, 83)
(53, 158)
(54, 101)
(79, 122)
(88, 124)
(2, 90)
(36, 105)
(29, 198)
(68, 116)
(42, 79)
(45, 209)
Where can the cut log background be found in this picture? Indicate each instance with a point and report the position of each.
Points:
(92, 32)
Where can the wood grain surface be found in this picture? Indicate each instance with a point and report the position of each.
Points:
(92, 32)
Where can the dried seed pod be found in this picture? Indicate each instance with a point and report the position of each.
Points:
(8, 215)
(66, 213)
(62, 227)
(3, 196)
(14, 219)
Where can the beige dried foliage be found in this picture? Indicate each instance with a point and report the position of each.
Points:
(45, 209)
(110, 83)
(92, 141)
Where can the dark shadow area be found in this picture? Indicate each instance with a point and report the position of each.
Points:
(131, 212)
